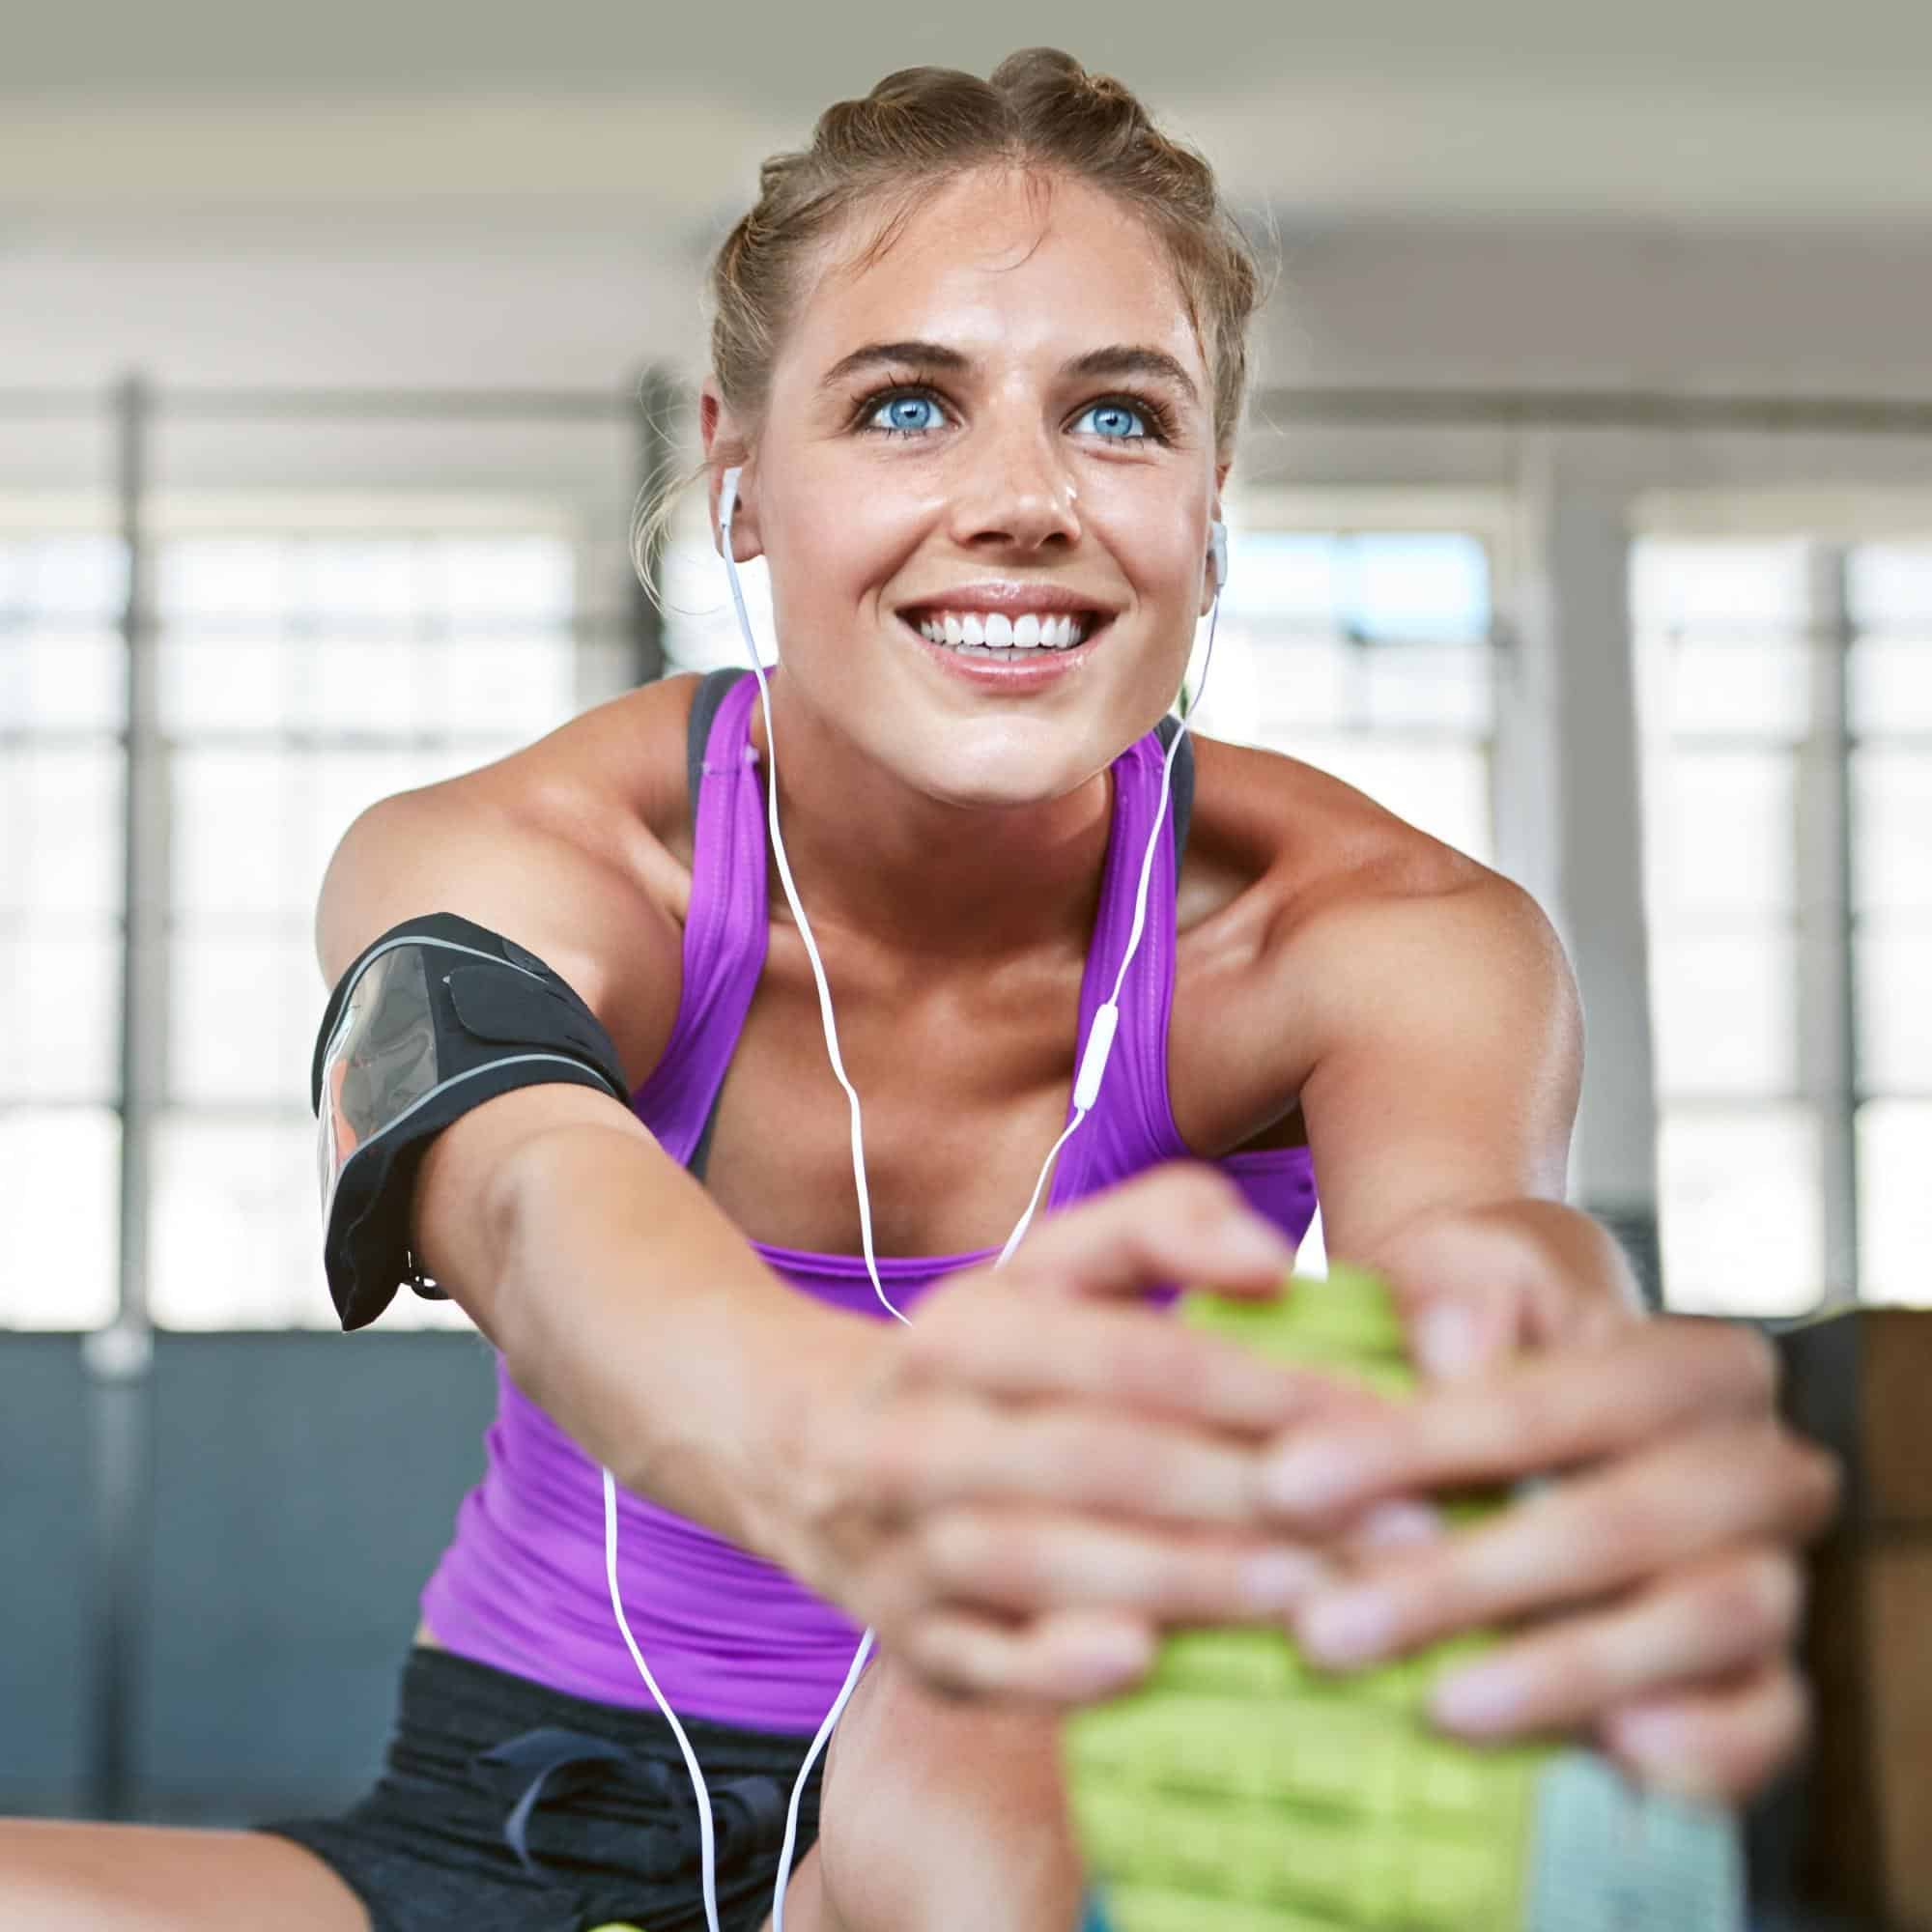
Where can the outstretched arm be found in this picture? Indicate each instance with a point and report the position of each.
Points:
(1439, 1114)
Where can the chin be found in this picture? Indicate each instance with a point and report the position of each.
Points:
(998, 766)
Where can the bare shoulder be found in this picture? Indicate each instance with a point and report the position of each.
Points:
(614, 778)
(1280, 852)
(1291, 851)
(1421, 1006)
(1305, 908)
(1285, 812)
(571, 846)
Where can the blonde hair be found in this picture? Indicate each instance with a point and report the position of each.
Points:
(923, 126)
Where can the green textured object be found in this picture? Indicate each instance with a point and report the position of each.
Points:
(1241, 1789)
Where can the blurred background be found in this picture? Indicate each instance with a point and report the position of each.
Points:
(1584, 517)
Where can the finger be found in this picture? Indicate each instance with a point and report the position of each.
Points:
(1463, 1288)
(1181, 1223)
(1723, 1744)
(1715, 1619)
(1070, 1456)
(1016, 1344)
(1579, 1540)
(1034, 1560)
(1474, 1286)
(1068, 1658)
(1545, 1413)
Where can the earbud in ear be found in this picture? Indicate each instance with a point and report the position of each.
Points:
(727, 503)
(1217, 549)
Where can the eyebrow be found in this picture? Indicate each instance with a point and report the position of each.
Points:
(1119, 358)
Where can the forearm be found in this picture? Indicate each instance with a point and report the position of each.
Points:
(645, 1323)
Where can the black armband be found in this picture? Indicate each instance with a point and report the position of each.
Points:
(436, 1017)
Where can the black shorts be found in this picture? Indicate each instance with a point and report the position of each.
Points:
(503, 1807)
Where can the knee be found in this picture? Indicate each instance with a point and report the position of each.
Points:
(941, 1817)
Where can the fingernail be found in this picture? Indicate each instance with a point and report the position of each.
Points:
(1348, 1627)
(1280, 1578)
(1108, 1662)
(1247, 1238)
(1400, 1525)
(1483, 1698)
(1308, 1477)
(1648, 1736)
(1652, 1746)
(1448, 1341)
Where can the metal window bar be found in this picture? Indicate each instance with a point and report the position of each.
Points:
(1827, 985)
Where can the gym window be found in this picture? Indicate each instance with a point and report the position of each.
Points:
(299, 674)
(1786, 706)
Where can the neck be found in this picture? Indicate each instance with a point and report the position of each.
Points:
(870, 855)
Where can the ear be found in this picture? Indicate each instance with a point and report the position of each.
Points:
(1210, 588)
(726, 447)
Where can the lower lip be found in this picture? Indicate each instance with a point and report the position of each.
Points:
(1013, 669)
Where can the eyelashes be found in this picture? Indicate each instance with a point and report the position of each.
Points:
(1157, 415)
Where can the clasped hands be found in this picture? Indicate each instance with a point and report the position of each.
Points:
(1023, 1488)
(1658, 1587)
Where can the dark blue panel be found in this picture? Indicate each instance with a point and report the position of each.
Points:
(45, 1531)
(304, 1486)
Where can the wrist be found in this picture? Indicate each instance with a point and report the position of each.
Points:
(832, 1368)
(1477, 1283)
(1579, 1251)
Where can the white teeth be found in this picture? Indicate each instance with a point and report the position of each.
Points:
(993, 630)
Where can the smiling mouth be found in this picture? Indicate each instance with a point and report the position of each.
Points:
(993, 634)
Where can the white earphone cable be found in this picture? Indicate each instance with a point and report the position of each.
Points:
(707, 1849)
(805, 929)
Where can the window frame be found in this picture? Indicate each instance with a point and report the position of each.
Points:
(1830, 526)
(150, 923)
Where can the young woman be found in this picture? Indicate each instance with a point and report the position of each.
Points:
(978, 358)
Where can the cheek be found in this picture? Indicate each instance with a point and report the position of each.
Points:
(837, 546)
(1143, 521)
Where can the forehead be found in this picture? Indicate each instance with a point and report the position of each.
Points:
(996, 262)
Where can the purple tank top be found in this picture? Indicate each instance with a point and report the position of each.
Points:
(729, 1637)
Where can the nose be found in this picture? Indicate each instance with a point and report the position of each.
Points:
(1015, 491)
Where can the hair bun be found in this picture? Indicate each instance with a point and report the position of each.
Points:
(1045, 80)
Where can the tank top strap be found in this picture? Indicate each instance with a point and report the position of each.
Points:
(1131, 1126)
(726, 928)
(1181, 804)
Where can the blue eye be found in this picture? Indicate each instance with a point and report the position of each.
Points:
(1114, 421)
(908, 415)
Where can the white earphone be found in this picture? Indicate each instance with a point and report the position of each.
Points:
(1086, 1091)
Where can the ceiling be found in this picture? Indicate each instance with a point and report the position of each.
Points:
(1714, 112)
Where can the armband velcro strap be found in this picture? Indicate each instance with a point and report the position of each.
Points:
(437, 1016)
